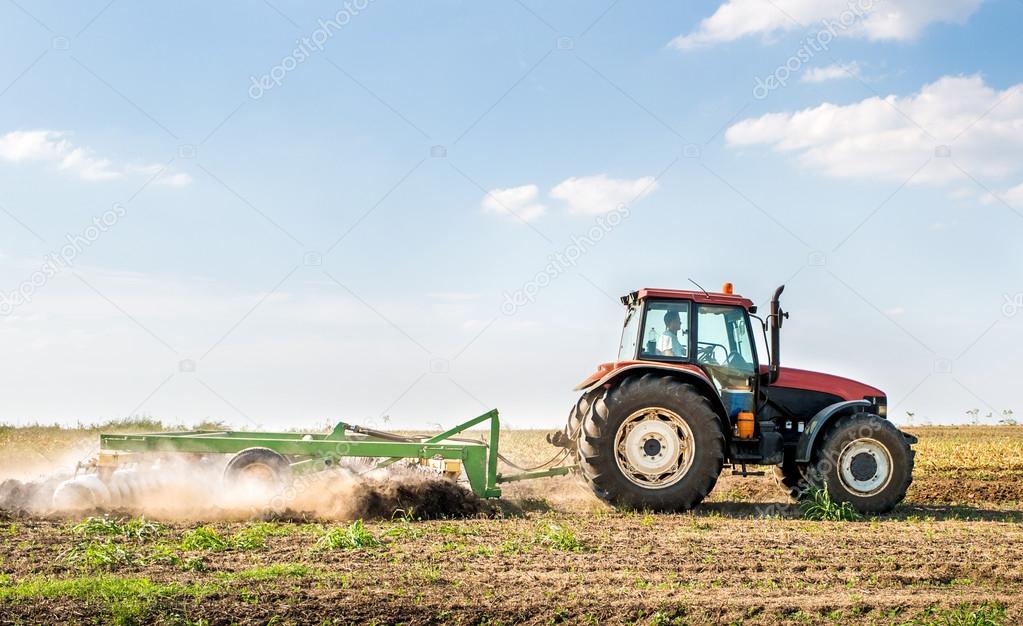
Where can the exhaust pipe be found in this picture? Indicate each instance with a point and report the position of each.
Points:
(777, 315)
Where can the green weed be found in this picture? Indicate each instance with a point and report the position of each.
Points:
(137, 529)
(820, 507)
(986, 614)
(204, 538)
(351, 537)
(103, 555)
(251, 538)
(274, 572)
(127, 600)
(557, 537)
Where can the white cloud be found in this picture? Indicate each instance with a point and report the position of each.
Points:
(964, 193)
(179, 179)
(591, 195)
(838, 71)
(871, 19)
(520, 202)
(52, 146)
(453, 296)
(1013, 197)
(957, 122)
(176, 179)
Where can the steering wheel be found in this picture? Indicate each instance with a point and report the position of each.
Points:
(706, 353)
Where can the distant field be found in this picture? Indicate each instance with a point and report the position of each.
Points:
(552, 553)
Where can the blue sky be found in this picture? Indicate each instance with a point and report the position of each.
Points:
(338, 242)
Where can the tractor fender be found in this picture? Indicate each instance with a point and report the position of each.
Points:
(691, 375)
(819, 422)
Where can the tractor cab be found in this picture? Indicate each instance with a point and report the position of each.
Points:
(711, 331)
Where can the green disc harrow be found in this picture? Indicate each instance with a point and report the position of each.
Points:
(311, 452)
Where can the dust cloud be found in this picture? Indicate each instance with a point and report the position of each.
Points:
(176, 489)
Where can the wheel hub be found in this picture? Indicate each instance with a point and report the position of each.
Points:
(258, 475)
(865, 466)
(654, 448)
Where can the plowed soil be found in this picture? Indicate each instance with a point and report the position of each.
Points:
(552, 553)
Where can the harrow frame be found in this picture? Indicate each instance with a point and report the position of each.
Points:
(313, 452)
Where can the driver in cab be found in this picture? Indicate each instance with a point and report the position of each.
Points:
(668, 343)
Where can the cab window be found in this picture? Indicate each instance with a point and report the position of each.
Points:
(724, 345)
(666, 330)
(627, 346)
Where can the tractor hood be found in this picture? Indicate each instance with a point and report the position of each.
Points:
(845, 388)
(788, 377)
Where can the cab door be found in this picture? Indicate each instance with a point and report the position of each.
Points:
(725, 349)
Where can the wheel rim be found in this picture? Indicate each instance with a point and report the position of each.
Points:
(654, 448)
(865, 466)
(258, 474)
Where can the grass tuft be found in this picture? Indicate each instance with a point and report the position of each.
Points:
(103, 555)
(352, 537)
(558, 537)
(275, 572)
(819, 506)
(250, 538)
(127, 600)
(986, 614)
(136, 529)
(204, 538)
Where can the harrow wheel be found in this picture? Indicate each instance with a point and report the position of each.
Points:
(651, 442)
(258, 468)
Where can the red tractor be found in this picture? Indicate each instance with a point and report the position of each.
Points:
(689, 395)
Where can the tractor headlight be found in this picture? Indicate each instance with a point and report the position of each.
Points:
(879, 404)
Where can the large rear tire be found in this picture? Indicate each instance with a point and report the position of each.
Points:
(866, 461)
(566, 437)
(651, 442)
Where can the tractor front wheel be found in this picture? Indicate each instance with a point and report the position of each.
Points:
(651, 442)
(866, 461)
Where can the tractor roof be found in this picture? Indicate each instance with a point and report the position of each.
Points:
(683, 294)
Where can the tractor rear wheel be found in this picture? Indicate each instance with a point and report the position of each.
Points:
(566, 437)
(866, 461)
(651, 442)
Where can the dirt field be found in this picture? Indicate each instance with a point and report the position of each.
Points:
(551, 553)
